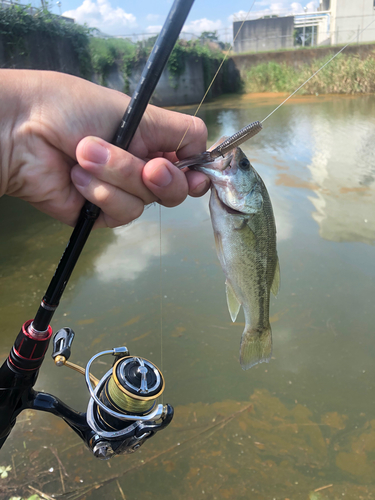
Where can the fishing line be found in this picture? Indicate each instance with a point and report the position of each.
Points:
(214, 78)
(316, 72)
(178, 147)
(161, 299)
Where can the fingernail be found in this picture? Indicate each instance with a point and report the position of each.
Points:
(96, 153)
(161, 176)
(81, 177)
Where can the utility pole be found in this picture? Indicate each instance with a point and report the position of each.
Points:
(304, 27)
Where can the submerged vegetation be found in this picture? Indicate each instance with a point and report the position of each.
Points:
(343, 75)
(228, 449)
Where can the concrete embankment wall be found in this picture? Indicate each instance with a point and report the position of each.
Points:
(188, 88)
(298, 57)
(40, 51)
(48, 52)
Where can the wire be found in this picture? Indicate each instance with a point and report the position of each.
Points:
(161, 299)
(214, 78)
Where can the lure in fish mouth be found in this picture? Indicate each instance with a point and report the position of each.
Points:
(245, 236)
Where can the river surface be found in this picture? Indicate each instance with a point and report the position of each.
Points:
(282, 430)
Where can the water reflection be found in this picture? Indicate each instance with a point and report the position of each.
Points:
(132, 251)
(343, 169)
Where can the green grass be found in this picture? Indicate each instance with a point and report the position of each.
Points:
(104, 53)
(343, 75)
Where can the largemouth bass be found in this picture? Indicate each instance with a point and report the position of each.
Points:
(245, 237)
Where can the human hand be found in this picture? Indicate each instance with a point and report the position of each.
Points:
(52, 155)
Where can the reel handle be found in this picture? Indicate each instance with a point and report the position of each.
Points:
(62, 342)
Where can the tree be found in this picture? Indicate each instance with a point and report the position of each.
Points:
(209, 36)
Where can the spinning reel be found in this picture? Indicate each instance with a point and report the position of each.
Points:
(122, 412)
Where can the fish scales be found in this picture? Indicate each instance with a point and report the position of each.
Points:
(245, 237)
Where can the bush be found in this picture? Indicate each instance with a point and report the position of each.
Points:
(104, 53)
(343, 75)
(17, 21)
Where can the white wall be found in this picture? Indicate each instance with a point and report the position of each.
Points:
(349, 19)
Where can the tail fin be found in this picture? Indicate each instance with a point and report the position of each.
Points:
(256, 346)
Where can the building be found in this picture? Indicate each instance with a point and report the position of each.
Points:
(264, 34)
(350, 21)
(335, 22)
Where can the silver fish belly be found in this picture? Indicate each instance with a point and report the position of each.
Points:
(245, 237)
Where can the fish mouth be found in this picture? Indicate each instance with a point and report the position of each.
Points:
(223, 162)
(217, 167)
(226, 207)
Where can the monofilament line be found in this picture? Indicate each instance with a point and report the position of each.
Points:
(217, 72)
(161, 300)
(316, 72)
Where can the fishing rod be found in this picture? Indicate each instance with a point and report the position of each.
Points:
(122, 412)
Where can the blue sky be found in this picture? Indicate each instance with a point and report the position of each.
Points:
(125, 17)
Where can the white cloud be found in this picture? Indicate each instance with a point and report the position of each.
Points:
(100, 14)
(283, 8)
(154, 29)
(238, 16)
(197, 27)
(296, 8)
(132, 252)
(312, 6)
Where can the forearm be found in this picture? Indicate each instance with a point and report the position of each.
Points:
(13, 112)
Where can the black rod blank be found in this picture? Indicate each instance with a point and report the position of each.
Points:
(152, 72)
(130, 122)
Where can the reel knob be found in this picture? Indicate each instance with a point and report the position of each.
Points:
(103, 450)
(138, 377)
(132, 389)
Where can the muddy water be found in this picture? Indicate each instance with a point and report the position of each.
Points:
(282, 430)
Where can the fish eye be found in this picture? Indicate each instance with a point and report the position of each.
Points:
(244, 164)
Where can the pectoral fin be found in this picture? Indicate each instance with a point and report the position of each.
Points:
(232, 301)
(219, 248)
(276, 279)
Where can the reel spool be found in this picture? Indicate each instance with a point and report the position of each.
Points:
(132, 389)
